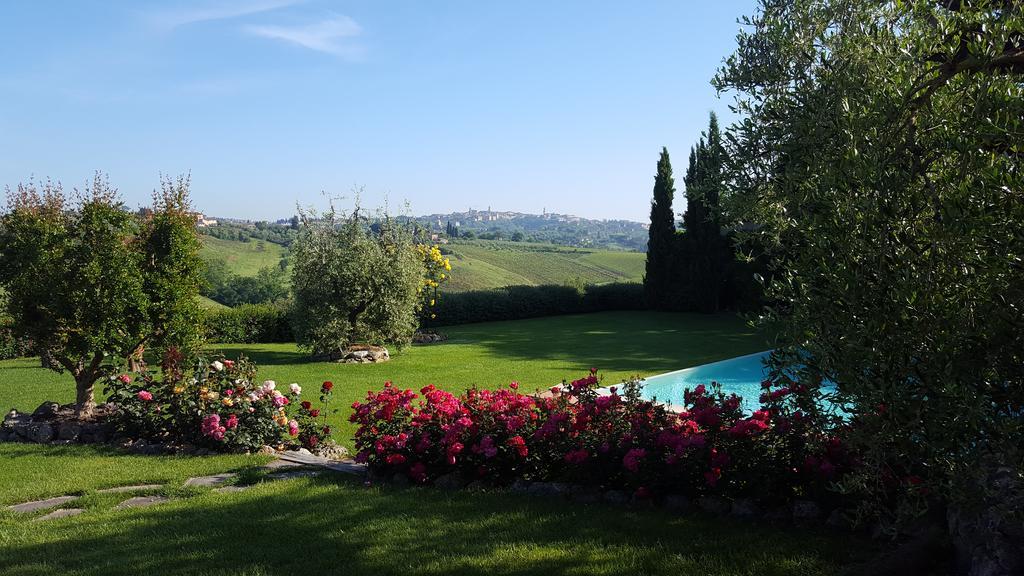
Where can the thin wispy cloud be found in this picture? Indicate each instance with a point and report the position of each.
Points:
(218, 11)
(332, 36)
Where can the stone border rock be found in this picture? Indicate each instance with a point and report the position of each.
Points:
(357, 354)
(428, 337)
(52, 423)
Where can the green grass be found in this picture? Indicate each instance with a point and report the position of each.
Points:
(32, 472)
(480, 265)
(207, 304)
(243, 258)
(336, 525)
(538, 353)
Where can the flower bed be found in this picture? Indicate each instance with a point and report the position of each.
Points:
(220, 405)
(618, 441)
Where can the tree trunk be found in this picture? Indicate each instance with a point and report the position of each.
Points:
(135, 359)
(84, 402)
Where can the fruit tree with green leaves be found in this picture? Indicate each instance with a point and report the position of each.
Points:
(91, 285)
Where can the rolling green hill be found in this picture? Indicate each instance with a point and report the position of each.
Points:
(478, 265)
(243, 258)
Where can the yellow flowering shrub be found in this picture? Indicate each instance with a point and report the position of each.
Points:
(437, 270)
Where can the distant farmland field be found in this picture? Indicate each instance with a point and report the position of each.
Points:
(243, 258)
(480, 265)
(476, 265)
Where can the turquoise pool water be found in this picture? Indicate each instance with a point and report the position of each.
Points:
(741, 376)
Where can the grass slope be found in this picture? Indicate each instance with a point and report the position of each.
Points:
(538, 353)
(243, 258)
(482, 264)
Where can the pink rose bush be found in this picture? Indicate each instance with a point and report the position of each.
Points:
(616, 440)
(218, 404)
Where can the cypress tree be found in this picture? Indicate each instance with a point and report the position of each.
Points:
(661, 236)
(707, 254)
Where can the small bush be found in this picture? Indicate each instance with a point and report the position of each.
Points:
(250, 324)
(517, 302)
(218, 404)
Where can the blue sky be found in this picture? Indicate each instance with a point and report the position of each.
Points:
(443, 104)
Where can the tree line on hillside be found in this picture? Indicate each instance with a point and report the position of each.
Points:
(544, 229)
(280, 234)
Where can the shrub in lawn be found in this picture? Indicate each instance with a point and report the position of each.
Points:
(250, 324)
(354, 283)
(218, 404)
(616, 440)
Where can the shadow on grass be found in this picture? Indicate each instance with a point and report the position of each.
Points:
(336, 526)
(262, 356)
(621, 341)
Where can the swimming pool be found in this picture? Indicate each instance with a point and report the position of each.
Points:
(741, 376)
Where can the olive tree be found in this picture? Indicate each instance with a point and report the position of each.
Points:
(91, 284)
(878, 157)
(354, 282)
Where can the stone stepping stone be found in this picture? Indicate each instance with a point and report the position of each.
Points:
(61, 513)
(141, 502)
(293, 474)
(229, 489)
(278, 464)
(306, 458)
(347, 467)
(343, 466)
(208, 481)
(135, 488)
(41, 504)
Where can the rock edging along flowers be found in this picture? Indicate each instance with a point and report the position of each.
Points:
(219, 405)
(614, 442)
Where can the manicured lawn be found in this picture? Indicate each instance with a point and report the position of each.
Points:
(31, 471)
(335, 525)
(538, 353)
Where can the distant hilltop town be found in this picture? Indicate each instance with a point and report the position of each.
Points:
(564, 229)
(489, 215)
(489, 224)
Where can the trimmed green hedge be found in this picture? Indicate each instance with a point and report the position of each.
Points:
(263, 323)
(250, 324)
(517, 302)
